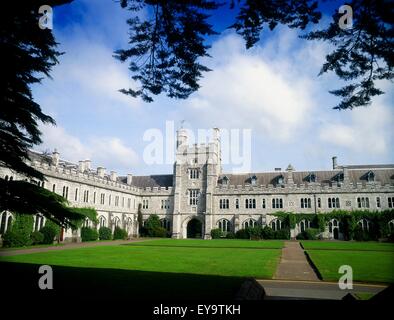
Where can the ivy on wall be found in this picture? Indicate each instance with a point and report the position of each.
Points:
(348, 221)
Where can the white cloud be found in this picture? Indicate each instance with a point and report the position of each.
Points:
(246, 90)
(368, 130)
(110, 152)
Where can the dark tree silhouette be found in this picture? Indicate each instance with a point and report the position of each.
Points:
(27, 52)
(363, 54)
(165, 47)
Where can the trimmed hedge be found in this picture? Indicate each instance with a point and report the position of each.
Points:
(257, 233)
(49, 233)
(89, 234)
(37, 237)
(15, 239)
(105, 233)
(216, 233)
(19, 233)
(120, 234)
(309, 234)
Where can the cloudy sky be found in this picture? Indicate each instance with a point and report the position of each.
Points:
(272, 89)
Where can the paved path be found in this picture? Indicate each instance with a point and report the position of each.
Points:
(10, 252)
(301, 290)
(293, 264)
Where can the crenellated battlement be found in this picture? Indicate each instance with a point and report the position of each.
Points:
(306, 188)
(86, 177)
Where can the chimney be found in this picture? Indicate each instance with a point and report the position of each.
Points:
(129, 178)
(334, 163)
(113, 175)
(346, 178)
(88, 164)
(290, 170)
(100, 172)
(55, 158)
(278, 169)
(81, 166)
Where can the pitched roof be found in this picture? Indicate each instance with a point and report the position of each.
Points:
(159, 180)
(384, 176)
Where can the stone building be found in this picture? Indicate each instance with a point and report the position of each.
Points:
(199, 197)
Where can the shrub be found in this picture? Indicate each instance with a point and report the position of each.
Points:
(254, 232)
(311, 233)
(282, 234)
(120, 234)
(216, 233)
(88, 234)
(19, 232)
(361, 235)
(242, 234)
(49, 233)
(301, 236)
(16, 239)
(37, 237)
(159, 232)
(267, 233)
(105, 233)
(230, 235)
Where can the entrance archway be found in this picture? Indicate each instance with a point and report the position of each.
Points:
(194, 228)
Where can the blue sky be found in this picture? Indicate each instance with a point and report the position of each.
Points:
(272, 89)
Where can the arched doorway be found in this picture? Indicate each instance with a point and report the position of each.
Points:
(194, 228)
(336, 234)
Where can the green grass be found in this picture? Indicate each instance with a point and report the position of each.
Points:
(213, 261)
(368, 266)
(364, 295)
(347, 245)
(216, 243)
(148, 270)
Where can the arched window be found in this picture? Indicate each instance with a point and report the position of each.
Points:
(364, 224)
(332, 225)
(276, 224)
(116, 222)
(224, 225)
(165, 223)
(391, 226)
(9, 222)
(86, 223)
(102, 221)
(3, 222)
(249, 223)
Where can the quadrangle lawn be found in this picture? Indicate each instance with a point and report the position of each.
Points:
(368, 266)
(148, 270)
(239, 262)
(347, 245)
(216, 243)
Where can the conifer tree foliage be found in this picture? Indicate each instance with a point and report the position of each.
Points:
(363, 54)
(166, 45)
(165, 48)
(27, 54)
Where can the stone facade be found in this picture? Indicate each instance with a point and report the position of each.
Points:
(199, 197)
